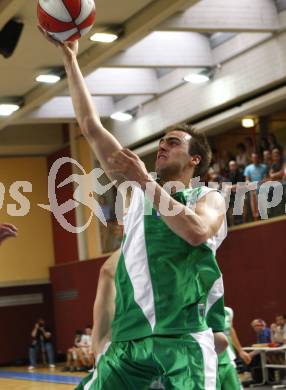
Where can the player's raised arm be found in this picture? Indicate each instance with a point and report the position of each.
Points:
(102, 142)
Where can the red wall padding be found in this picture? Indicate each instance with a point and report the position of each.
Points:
(253, 262)
(16, 322)
(65, 243)
(76, 313)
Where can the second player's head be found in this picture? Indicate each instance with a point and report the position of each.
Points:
(182, 153)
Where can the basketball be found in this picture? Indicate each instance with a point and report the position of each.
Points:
(66, 20)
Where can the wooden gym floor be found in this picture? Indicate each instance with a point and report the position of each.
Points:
(34, 384)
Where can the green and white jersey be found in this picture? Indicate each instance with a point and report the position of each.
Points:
(165, 286)
(229, 355)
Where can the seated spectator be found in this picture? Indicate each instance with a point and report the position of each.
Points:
(278, 330)
(276, 173)
(273, 144)
(263, 334)
(115, 237)
(233, 176)
(241, 157)
(85, 351)
(41, 342)
(250, 147)
(267, 160)
(215, 163)
(276, 170)
(255, 171)
(264, 145)
(73, 362)
(284, 154)
(214, 177)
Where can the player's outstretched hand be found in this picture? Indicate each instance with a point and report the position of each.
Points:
(7, 230)
(68, 48)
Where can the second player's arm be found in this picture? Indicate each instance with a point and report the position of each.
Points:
(103, 310)
(246, 357)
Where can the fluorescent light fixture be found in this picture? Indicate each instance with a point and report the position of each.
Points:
(121, 116)
(103, 37)
(197, 78)
(48, 78)
(248, 122)
(8, 109)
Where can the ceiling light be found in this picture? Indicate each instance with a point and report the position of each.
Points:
(248, 122)
(197, 78)
(8, 109)
(121, 116)
(103, 37)
(48, 78)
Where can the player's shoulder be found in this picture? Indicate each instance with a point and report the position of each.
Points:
(212, 195)
(229, 312)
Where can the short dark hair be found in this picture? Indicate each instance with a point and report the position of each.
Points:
(198, 145)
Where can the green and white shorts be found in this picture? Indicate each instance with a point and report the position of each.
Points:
(186, 362)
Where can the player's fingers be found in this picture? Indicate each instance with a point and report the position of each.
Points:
(8, 232)
(49, 37)
(10, 226)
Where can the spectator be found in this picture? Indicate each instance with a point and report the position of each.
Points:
(109, 217)
(264, 145)
(216, 162)
(263, 334)
(214, 177)
(73, 362)
(255, 171)
(273, 144)
(267, 160)
(250, 147)
(41, 341)
(278, 330)
(85, 351)
(234, 176)
(276, 170)
(276, 173)
(284, 154)
(241, 157)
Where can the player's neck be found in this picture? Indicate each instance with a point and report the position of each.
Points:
(182, 182)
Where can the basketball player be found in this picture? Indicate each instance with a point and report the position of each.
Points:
(227, 369)
(167, 279)
(7, 230)
(103, 313)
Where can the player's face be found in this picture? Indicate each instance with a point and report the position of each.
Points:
(173, 154)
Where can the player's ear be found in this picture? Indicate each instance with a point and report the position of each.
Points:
(195, 160)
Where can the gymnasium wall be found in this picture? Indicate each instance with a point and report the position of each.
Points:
(29, 257)
(17, 321)
(253, 264)
(74, 287)
(65, 243)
